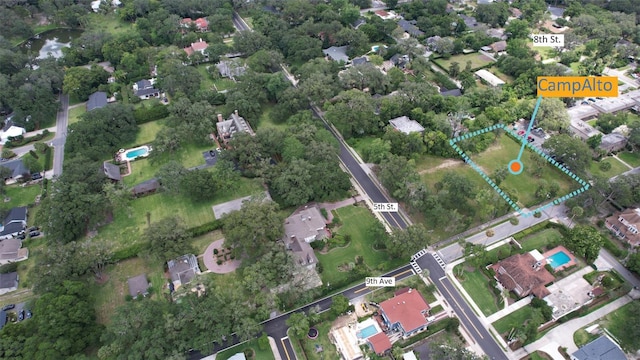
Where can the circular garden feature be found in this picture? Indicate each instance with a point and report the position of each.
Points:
(313, 333)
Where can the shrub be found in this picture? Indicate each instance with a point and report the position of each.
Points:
(263, 342)
(215, 251)
(205, 228)
(537, 214)
(514, 221)
(219, 262)
(317, 245)
(232, 256)
(129, 252)
(145, 115)
(248, 353)
(128, 297)
(604, 166)
(8, 154)
(33, 153)
(319, 268)
(490, 233)
(8, 268)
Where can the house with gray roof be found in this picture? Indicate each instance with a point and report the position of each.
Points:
(97, 100)
(14, 223)
(11, 251)
(183, 269)
(361, 21)
(138, 285)
(304, 226)
(231, 68)
(410, 28)
(406, 125)
(145, 188)
(602, 348)
(144, 89)
(111, 171)
(613, 142)
(470, 21)
(18, 169)
(8, 282)
(235, 123)
(337, 53)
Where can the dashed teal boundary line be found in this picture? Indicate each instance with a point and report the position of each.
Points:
(505, 196)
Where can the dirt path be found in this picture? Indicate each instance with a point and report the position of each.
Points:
(445, 164)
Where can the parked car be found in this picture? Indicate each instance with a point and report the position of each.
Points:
(33, 228)
(531, 139)
(34, 233)
(8, 307)
(36, 176)
(21, 315)
(585, 103)
(521, 132)
(29, 314)
(22, 236)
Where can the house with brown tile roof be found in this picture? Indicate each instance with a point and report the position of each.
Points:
(199, 46)
(524, 275)
(626, 225)
(406, 312)
(380, 343)
(201, 23)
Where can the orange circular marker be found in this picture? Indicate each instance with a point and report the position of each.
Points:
(515, 167)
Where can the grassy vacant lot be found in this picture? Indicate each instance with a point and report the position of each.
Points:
(582, 337)
(20, 196)
(356, 222)
(477, 60)
(74, 114)
(477, 286)
(630, 158)
(617, 323)
(617, 167)
(129, 225)
(253, 344)
(109, 23)
(525, 184)
(112, 293)
(309, 346)
(514, 320)
(540, 239)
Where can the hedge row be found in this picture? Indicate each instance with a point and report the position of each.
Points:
(20, 140)
(135, 249)
(538, 227)
(145, 115)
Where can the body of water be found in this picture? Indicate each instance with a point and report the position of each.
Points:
(50, 43)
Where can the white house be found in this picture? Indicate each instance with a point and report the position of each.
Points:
(11, 131)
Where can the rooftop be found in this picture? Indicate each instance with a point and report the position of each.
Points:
(16, 166)
(524, 275)
(8, 280)
(489, 77)
(337, 53)
(146, 186)
(602, 348)
(408, 309)
(138, 285)
(97, 100)
(9, 248)
(305, 224)
(380, 342)
(406, 125)
(183, 269)
(612, 139)
(410, 28)
(111, 171)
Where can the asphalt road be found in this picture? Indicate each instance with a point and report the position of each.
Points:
(277, 327)
(61, 135)
(468, 318)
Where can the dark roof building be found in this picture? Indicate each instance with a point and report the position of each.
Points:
(17, 167)
(454, 92)
(410, 28)
(3, 318)
(138, 285)
(146, 187)
(97, 100)
(360, 61)
(361, 21)
(111, 171)
(8, 282)
(602, 348)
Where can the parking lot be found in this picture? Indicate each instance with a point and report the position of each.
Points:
(538, 135)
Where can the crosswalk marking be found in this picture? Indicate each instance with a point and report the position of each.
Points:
(439, 260)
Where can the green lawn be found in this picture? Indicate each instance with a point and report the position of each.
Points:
(592, 122)
(266, 121)
(207, 81)
(146, 134)
(357, 221)
(253, 344)
(514, 320)
(224, 84)
(189, 155)
(309, 346)
(20, 196)
(632, 159)
(74, 114)
(525, 184)
(477, 60)
(617, 167)
(200, 243)
(126, 229)
(426, 162)
(540, 239)
(112, 293)
(617, 323)
(108, 23)
(581, 337)
(506, 78)
(360, 144)
(477, 286)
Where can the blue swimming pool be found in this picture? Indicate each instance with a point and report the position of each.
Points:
(367, 332)
(558, 259)
(132, 154)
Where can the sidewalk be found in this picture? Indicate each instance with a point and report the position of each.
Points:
(563, 334)
(274, 349)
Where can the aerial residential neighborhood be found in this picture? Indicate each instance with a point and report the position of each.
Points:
(339, 179)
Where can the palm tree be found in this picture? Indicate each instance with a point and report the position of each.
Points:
(576, 211)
